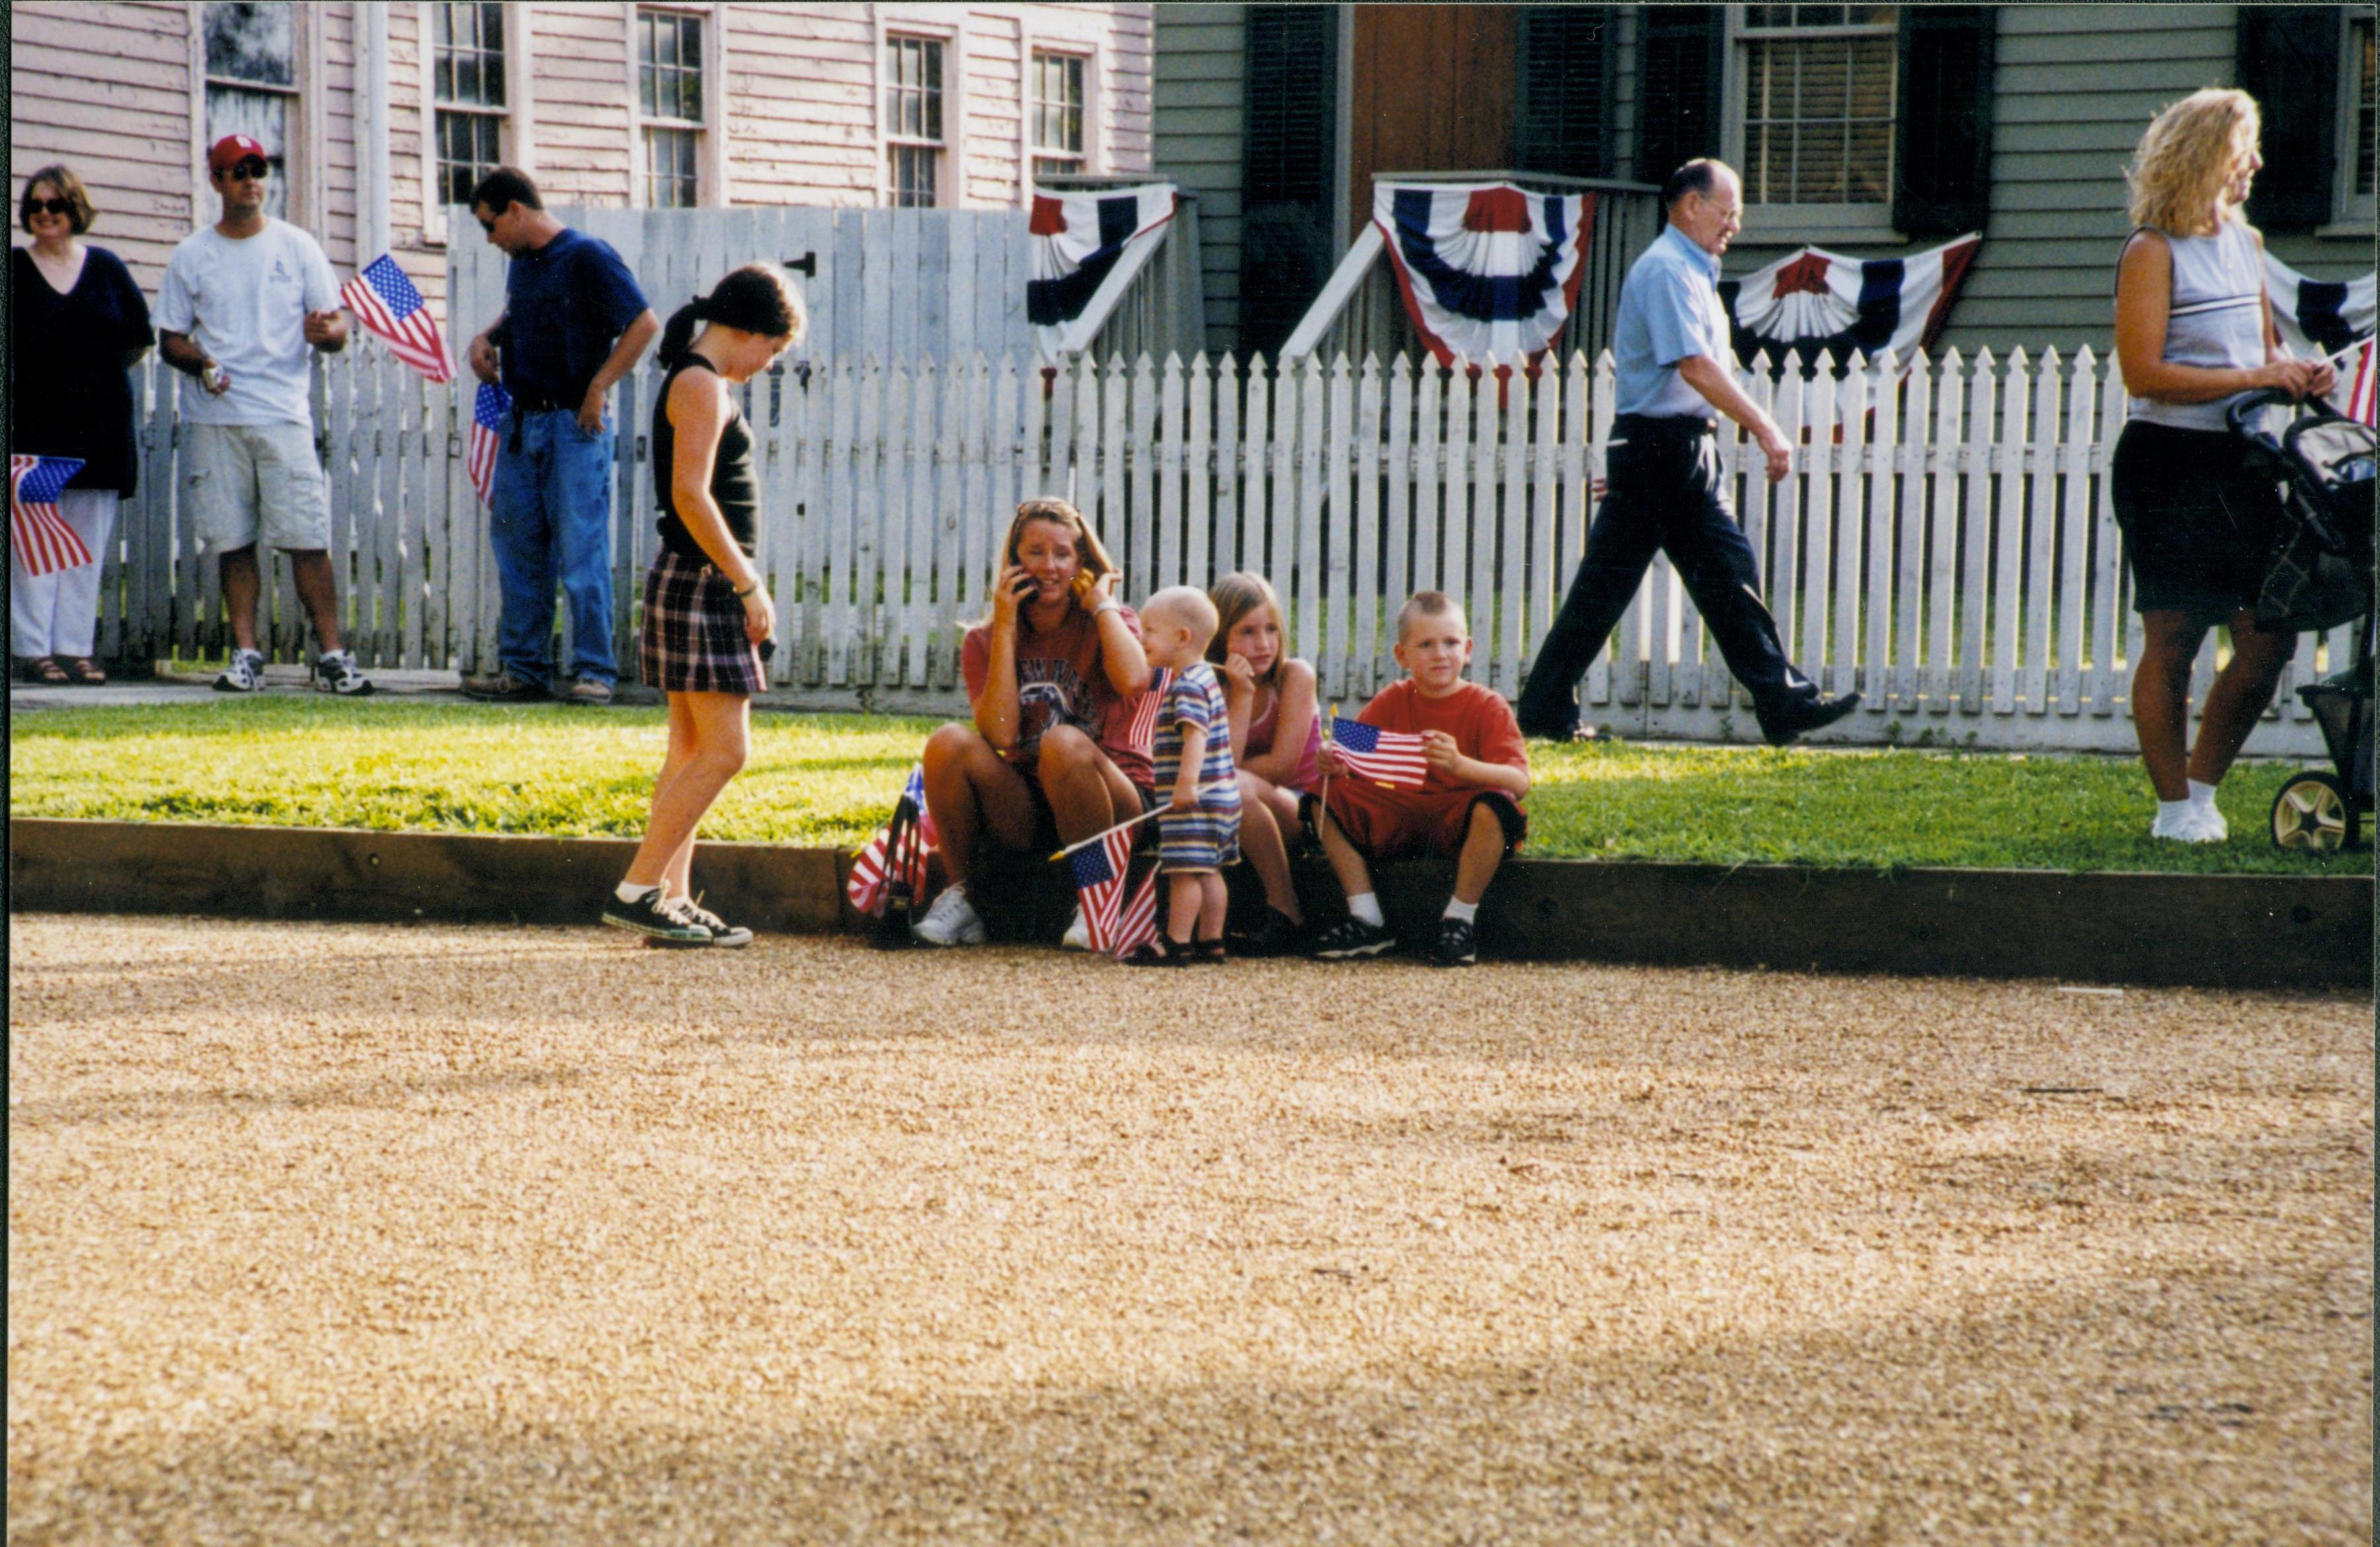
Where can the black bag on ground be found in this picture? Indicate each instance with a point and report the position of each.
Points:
(903, 844)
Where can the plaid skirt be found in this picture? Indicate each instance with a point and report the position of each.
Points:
(693, 639)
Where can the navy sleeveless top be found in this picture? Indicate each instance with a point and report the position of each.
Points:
(733, 485)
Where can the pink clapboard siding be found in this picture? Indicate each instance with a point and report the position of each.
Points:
(107, 88)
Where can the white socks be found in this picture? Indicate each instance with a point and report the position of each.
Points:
(1366, 907)
(628, 891)
(2174, 810)
(1457, 908)
(2200, 794)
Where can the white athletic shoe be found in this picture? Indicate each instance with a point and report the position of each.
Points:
(2193, 825)
(1079, 934)
(951, 922)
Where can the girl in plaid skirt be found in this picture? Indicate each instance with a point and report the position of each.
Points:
(708, 615)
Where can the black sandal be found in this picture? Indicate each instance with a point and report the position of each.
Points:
(1156, 952)
(84, 671)
(1208, 952)
(43, 669)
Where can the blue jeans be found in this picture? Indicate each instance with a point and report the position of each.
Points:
(552, 519)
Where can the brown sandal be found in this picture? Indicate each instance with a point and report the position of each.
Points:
(84, 671)
(43, 669)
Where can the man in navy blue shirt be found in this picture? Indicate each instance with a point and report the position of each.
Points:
(1675, 368)
(574, 323)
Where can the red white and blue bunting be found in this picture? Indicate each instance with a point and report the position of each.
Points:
(1078, 239)
(1812, 302)
(1486, 269)
(2332, 318)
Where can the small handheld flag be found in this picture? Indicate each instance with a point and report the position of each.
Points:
(1098, 871)
(389, 306)
(1139, 922)
(487, 412)
(44, 542)
(1385, 757)
(874, 871)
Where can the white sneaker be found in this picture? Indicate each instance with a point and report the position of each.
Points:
(951, 922)
(2193, 825)
(337, 672)
(245, 675)
(1079, 934)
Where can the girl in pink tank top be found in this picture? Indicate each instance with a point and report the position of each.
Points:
(1276, 739)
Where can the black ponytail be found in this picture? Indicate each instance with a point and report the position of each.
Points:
(756, 299)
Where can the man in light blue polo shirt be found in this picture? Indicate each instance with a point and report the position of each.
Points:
(1676, 367)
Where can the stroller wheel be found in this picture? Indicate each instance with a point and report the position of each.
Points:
(2313, 812)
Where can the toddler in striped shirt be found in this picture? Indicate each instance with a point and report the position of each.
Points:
(1198, 833)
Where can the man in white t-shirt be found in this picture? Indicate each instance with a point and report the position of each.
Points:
(243, 302)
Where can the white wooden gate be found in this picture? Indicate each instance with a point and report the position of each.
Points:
(1947, 544)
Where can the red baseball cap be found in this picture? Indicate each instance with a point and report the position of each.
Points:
(233, 148)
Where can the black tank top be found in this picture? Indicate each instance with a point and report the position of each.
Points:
(731, 484)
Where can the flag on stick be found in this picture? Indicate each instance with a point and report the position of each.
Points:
(487, 423)
(1385, 757)
(388, 306)
(44, 542)
(874, 871)
(1138, 924)
(1098, 872)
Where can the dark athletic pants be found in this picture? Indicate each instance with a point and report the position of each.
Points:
(1663, 494)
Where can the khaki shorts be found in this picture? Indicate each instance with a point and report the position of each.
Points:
(245, 481)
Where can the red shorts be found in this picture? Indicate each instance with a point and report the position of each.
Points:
(1390, 823)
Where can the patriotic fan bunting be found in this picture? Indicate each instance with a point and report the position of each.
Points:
(1078, 239)
(1485, 269)
(488, 410)
(2319, 316)
(1812, 302)
(44, 542)
(388, 306)
(1385, 757)
(872, 872)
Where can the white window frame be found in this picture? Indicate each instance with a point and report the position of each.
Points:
(302, 163)
(1793, 223)
(1089, 55)
(712, 186)
(517, 132)
(935, 24)
(2352, 213)
(1066, 30)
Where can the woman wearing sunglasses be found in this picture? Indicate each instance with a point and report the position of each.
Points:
(76, 324)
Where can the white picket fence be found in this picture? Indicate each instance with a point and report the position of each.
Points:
(1946, 543)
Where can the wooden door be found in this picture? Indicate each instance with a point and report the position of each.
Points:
(1433, 90)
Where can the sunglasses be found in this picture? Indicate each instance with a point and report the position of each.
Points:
(49, 206)
(250, 171)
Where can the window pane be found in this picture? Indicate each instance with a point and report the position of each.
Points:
(255, 42)
(443, 78)
(1818, 115)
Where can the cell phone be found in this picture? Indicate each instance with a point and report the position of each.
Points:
(1025, 586)
(768, 648)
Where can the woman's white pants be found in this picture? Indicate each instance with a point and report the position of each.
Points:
(57, 613)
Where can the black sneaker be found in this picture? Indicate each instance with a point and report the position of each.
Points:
(1457, 943)
(658, 917)
(1351, 938)
(722, 932)
(1781, 725)
(1277, 936)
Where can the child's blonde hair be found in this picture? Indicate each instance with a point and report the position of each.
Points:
(1428, 603)
(1235, 596)
(1184, 605)
(2178, 171)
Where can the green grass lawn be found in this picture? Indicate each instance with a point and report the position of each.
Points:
(394, 763)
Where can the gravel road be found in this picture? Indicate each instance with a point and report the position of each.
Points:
(436, 1235)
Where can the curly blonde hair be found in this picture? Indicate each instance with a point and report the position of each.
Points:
(2178, 171)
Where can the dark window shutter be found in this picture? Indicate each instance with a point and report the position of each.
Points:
(2288, 62)
(1678, 86)
(1289, 152)
(1564, 90)
(1942, 138)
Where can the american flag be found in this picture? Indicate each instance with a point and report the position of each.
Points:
(1385, 757)
(1098, 872)
(44, 542)
(388, 305)
(2354, 395)
(487, 412)
(1143, 734)
(870, 875)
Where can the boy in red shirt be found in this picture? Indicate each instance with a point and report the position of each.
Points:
(1468, 806)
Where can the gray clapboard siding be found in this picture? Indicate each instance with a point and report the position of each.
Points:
(1200, 103)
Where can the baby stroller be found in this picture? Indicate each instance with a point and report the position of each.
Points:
(2328, 468)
